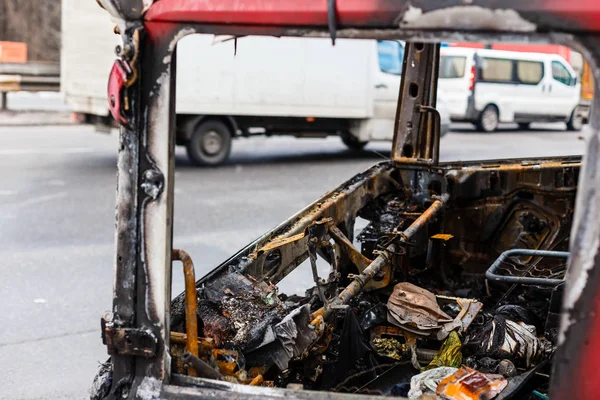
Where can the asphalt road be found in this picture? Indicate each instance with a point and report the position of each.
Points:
(44, 101)
(57, 194)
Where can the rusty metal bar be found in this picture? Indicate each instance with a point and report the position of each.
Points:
(427, 215)
(205, 345)
(382, 259)
(201, 366)
(433, 134)
(415, 135)
(191, 303)
(360, 261)
(312, 254)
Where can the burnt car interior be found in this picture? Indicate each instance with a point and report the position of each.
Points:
(451, 285)
(415, 285)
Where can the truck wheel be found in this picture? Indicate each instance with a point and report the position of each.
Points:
(488, 119)
(210, 143)
(352, 142)
(575, 122)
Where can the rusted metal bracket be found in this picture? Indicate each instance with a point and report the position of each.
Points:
(361, 262)
(127, 341)
(318, 239)
(287, 253)
(417, 122)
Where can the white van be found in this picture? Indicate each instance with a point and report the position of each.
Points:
(486, 87)
(253, 86)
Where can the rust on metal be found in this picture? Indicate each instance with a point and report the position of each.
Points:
(205, 345)
(257, 381)
(361, 262)
(416, 138)
(382, 259)
(191, 302)
(226, 360)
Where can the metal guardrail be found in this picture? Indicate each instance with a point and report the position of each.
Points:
(28, 77)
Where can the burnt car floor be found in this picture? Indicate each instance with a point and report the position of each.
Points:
(412, 298)
(451, 284)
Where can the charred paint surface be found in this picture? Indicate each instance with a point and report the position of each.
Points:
(581, 15)
(579, 351)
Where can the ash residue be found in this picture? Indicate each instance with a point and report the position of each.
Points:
(250, 319)
(385, 215)
(236, 311)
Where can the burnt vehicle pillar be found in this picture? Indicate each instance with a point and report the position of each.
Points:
(141, 97)
(417, 127)
(577, 359)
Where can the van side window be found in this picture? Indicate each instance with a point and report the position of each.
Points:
(452, 66)
(530, 72)
(561, 73)
(496, 70)
(390, 54)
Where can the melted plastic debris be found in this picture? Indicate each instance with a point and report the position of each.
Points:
(416, 310)
(428, 381)
(468, 384)
(504, 338)
(450, 354)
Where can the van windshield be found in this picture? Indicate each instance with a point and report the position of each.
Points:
(452, 66)
(390, 54)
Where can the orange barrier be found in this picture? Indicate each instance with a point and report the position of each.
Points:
(13, 52)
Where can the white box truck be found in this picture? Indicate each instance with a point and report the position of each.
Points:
(254, 85)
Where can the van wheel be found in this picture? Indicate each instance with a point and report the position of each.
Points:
(488, 119)
(210, 143)
(524, 126)
(575, 122)
(352, 143)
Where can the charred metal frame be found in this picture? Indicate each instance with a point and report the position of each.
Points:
(145, 90)
(412, 141)
(383, 259)
(492, 273)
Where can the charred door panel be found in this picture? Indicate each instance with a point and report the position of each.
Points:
(496, 208)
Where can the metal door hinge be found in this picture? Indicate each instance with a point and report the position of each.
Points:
(127, 341)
